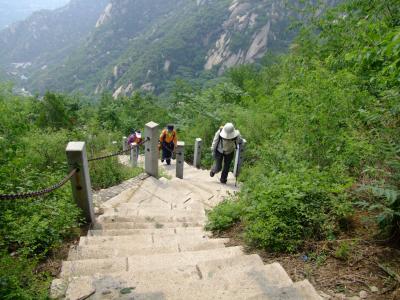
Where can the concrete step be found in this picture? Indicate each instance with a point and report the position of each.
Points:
(144, 239)
(301, 290)
(145, 225)
(197, 193)
(185, 205)
(120, 198)
(162, 231)
(156, 211)
(145, 262)
(152, 218)
(156, 191)
(306, 290)
(277, 275)
(109, 250)
(232, 279)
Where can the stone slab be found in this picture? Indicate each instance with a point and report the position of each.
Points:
(109, 250)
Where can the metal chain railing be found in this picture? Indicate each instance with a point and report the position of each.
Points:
(62, 182)
(40, 192)
(117, 153)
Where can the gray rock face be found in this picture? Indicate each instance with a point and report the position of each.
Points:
(246, 34)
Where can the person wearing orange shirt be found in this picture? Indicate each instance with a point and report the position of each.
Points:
(168, 142)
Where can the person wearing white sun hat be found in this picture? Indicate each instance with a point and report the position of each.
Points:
(223, 148)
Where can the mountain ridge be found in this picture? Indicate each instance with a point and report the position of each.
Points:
(131, 45)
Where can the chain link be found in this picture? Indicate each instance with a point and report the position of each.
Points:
(62, 182)
(41, 192)
(117, 153)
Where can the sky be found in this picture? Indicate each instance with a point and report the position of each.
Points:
(17, 10)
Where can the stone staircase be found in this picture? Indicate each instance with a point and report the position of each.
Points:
(150, 243)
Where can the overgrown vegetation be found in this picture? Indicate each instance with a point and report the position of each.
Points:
(33, 136)
(321, 122)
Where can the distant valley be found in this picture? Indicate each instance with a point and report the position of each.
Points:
(12, 11)
(122, 46)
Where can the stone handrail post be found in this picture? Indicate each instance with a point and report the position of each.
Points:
(151, 133)
(197, 153)
(134, 155)
(180, 159)
(81, 185)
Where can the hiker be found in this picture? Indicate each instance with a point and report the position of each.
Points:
(168, 141)
(135, 137)
(223, 148)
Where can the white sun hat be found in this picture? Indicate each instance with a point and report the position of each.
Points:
(229, 132)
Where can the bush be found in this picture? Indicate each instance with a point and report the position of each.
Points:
(19, 279)
(281, 211)
(109, 172)
(36, 226)
(224, 215)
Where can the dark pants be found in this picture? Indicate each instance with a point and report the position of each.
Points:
(167, 150)
(227, 160)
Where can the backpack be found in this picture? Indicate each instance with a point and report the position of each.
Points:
(165, 135)
(220, 139)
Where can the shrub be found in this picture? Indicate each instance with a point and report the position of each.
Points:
(110, 172)
(19, 279)
(224, 215)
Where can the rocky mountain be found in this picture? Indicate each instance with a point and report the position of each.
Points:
(46, 32)
(12, 11)
(121, 46)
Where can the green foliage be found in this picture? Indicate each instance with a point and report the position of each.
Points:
(318, 121)
(387, 206)
(283, 210)
(55, 112)
(109, 172)
(19, 279)
(33, 137)
(225, 215)
(343, 250)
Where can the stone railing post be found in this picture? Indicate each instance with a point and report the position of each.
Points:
(134, 155)
(124, 143)
(197, 153)
(81, 185)
(180, 159)
(239, 158)
(151, 133)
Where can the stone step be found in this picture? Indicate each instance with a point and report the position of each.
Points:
(162, 231)
(221, 279)
(145, 225)
(144, 239)
(184, 205)
(277, 275)
(120, 198)
(301, 290)
(306, 290)
(211, 185)
(109, 250)
(197, 194)
(161, 212)
(159, 189)
(145, 262)
(153, 214)
(152, 218)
